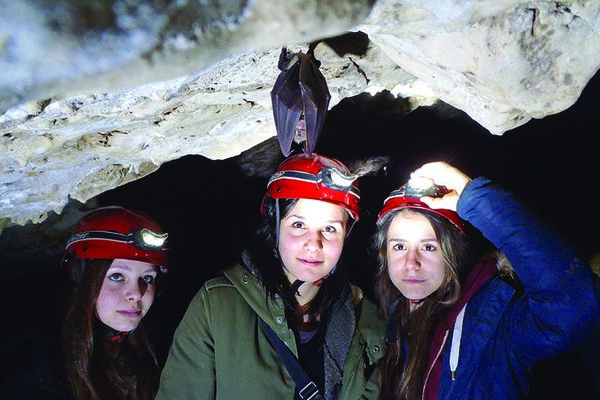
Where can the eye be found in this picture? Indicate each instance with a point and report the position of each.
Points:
(399, 247)
(429, 247)
(148, 279)
(330, 229)
(116, 277)
(298, 224)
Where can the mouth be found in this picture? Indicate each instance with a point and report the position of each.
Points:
(130, 313)
(413, 281)
(310, 262)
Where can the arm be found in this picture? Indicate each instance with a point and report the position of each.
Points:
(562, 302)
(190, 369)
(562, 305)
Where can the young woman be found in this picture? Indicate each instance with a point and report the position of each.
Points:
(456, 329)
(289, 284)
(114, 257)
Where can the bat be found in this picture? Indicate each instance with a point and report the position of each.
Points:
(300, 100)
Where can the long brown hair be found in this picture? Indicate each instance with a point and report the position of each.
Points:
(94, 364)
(403, 377)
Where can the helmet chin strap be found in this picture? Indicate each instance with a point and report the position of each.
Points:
(293, 290)
(320, 281)
(277, 224)
(291, 293)
(111, 333)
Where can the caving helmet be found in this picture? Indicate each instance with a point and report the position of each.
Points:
(115, 232)
(405, 197)
(315, 177)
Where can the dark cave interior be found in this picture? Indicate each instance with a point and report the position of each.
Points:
(211, 207)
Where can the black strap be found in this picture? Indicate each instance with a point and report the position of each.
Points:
(306, 387)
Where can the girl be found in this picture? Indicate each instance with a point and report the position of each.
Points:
(456, 329)
(287, 292)
(114, 257)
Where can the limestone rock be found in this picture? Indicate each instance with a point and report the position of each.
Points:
(50, 49)
(96, 94)
(502, 62)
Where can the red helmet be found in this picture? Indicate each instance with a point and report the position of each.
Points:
(115, 232)
(399, 200)
(315, 177)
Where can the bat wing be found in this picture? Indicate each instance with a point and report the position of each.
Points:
(315, 99)
(300, 89)
(287, 102)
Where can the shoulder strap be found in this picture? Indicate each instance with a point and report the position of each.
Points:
(307, 389)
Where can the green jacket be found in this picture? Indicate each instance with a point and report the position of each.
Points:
(220, 352)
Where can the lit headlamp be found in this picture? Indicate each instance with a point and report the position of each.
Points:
(143, 239)
(330, 178)
(418, 187)
(409, 196)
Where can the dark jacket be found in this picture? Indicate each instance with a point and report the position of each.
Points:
(506, 332)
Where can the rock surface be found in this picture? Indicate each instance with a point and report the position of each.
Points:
(96, 94)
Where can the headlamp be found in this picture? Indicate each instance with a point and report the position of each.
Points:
(335, 179)
(330, 178)
(145, 239)
(418, 187)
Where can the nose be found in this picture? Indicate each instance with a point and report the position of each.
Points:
(136, 290)
(412, 262)
(314, 241)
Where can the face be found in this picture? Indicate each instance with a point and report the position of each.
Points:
(415, 262)
(126, 294)
(311, 239)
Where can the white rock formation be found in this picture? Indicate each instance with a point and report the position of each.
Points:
(502, 62)
(93, 96)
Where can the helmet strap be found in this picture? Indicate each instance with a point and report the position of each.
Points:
(117, 336)
(290, 296)
(112, 334)
(320, 281)
(277, 224)
(351, 224)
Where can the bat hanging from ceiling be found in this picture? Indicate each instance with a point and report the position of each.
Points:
(300, 99)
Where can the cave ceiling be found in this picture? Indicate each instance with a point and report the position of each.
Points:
(97, 94)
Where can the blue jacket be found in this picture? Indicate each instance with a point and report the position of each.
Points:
(506, 332)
